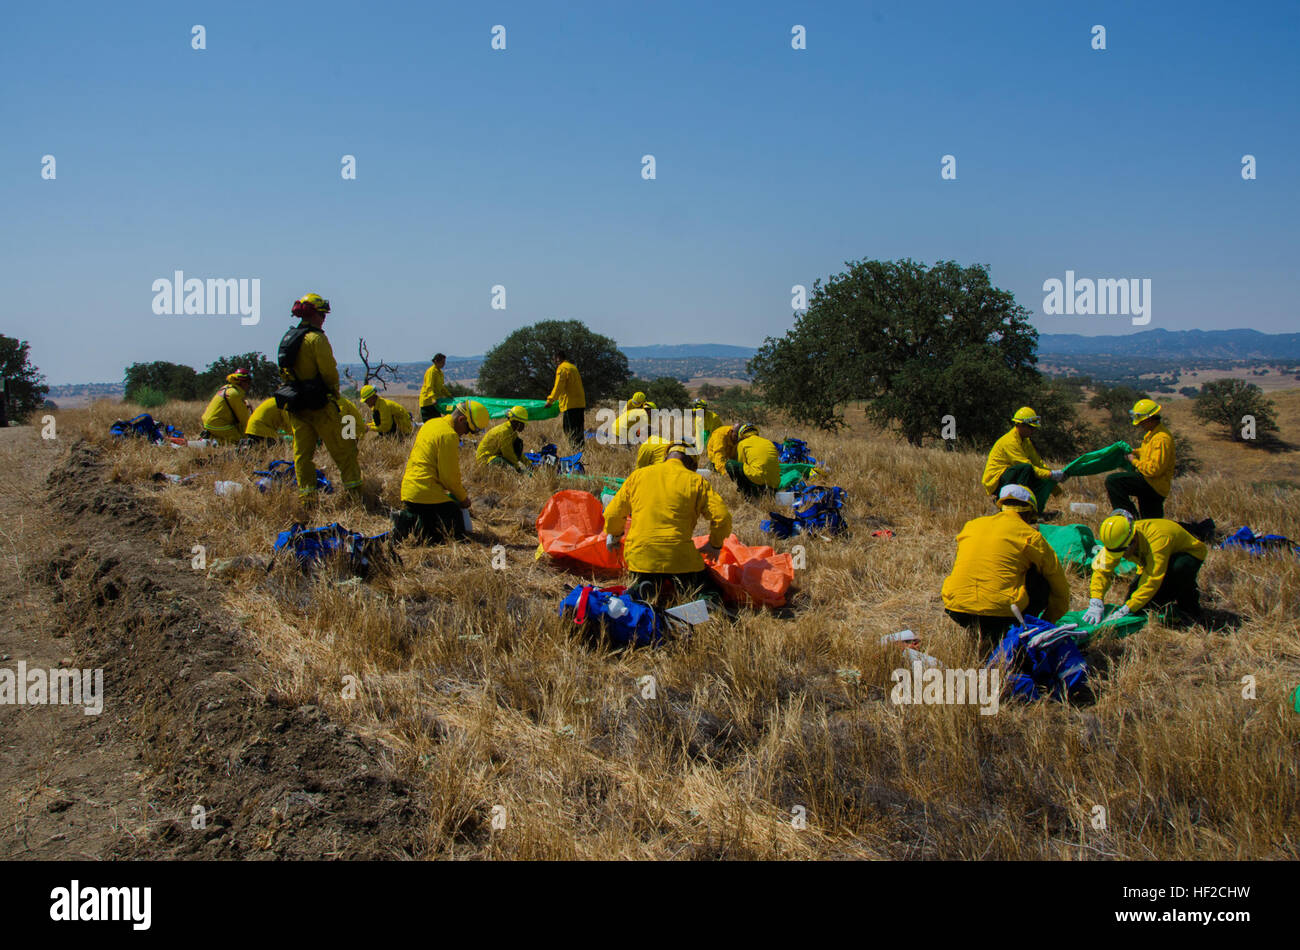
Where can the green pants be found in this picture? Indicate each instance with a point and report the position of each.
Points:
(751, 490)
(1179, 586)
(1132, 492)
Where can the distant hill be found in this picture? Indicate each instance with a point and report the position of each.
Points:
(688, 351)
(1176, 345)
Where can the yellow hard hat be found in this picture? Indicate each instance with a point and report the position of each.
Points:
(314, 301)
(517, 414)
(649, 405)
(746, 429)
(1017, 496)
(700, 403)
(1116, 533)
(638, 399)
(475, 414)
(366, 392)
(1143, 409)
(1026, 416)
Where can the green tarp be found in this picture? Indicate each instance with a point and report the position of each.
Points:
(497, 408)
(792, 473)
(1109, 459)
(1120, 628)
(1076, 544)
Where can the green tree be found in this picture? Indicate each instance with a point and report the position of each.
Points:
(666, 392)
(1226, 402)
(174, 380)
(735, 403)
(523, 364)
(24, 385)
(265, 373)
(888, 332)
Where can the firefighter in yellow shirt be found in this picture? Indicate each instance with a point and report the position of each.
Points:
(706, 421)
(633, 426)
(652, 451)
(665, 502)
(1004, 562)
(1014, 460)
(387, 417)
(266, 424)
(1168, 556)
(572, 400)
(310, 358)
(227, 414)
(722, 447)
(502, 445)
(433, 494)
(756, 469)
(433, 388)
(1145, 490)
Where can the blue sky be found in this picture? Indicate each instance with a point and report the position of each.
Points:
(522, 167)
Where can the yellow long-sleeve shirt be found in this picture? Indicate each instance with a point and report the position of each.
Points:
(349, 408)
(227, 414)
(434, 386)
(665, 502)
(1158, 540)
(993, 555)
(632, 425)
(761, 461)
(432, 473)
(706, 421)
(1155, 459)
(568, 391)
(268, 421)
(316, 359)
(499, 442)
(1007, 451)
(388, 415)
(652, 451)
(721, 448)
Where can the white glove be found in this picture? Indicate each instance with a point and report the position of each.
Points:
(611, 541)
(1095, 609)
(1058, 476)
(1120, 613)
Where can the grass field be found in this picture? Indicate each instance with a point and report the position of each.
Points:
(490, 707)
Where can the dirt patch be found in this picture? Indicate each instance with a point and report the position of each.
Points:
(229, 771)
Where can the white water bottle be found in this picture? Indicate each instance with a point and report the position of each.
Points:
(228, 488)
(616, 607)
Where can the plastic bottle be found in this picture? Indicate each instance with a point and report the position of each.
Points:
(616, 607)
(1083, 508)
(228, 488)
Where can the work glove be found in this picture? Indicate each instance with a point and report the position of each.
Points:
(1058, 476)
(1094, 612)
(611, 541)
(1120, 613)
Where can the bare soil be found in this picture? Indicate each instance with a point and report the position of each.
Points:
(187, 758)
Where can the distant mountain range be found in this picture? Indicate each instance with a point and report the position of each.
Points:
(1176, 345)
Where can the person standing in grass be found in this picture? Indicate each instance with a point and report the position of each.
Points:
(227, 414)
(433, 495)
(307, 360)
(572, 400)
(1145, 489)
(1003, 561)
(433, 388)
(1014, 460)
(665, 501)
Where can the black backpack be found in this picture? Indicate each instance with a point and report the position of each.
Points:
(297, 395)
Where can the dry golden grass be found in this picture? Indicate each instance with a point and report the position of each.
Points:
(484, 698)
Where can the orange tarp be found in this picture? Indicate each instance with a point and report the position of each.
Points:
(750, 575)
(572, 526)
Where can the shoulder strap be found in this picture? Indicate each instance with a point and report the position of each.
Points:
(291, 345)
